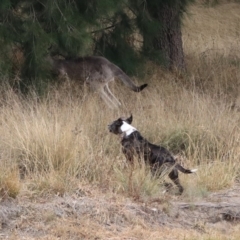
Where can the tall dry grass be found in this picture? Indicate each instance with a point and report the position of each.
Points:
(63, 139)
(49, 145)
(211, 45)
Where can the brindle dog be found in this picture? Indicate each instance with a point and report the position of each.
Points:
(133, 143)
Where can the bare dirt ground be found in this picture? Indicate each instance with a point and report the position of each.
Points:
(88, 215)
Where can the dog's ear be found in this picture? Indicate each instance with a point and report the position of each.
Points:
(129, 120)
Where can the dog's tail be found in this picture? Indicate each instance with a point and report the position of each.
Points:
(184, 170)
(127, 81)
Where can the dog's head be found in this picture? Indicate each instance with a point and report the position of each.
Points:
(121, 125)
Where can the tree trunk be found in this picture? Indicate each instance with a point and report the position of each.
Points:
(169, 38)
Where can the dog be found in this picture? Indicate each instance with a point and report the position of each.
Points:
(94, 71)
(134, 144)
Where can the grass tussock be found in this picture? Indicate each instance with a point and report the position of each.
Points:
(138, 182)
(10, 184)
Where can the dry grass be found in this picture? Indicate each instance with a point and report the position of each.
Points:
(50, 145)
(62, 139)
(211, 45)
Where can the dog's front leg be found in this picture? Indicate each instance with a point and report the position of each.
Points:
(128, 151)
(129, 156)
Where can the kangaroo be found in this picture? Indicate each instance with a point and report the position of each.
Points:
(96, 72)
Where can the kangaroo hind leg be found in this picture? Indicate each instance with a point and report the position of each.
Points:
(110, 94)
(99, 86)
(107, 99)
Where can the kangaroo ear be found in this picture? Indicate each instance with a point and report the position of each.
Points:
(129, 120)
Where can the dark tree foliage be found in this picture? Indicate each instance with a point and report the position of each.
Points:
(159, 25)
(42, 27)
(71, 28)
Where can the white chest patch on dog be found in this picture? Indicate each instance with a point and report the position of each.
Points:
(127, 129)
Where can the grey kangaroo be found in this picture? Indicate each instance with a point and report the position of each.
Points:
(96, 72)
(134, 144)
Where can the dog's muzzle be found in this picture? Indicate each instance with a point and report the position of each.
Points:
(113, 129)
(109, 128)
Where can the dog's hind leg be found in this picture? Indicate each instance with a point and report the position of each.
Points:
(173, 175)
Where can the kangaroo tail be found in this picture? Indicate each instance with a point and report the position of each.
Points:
(127, 81)
(142, 87)
(183, 170)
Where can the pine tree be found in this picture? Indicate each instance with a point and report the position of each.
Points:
(159, 22)
(86, 27)
(39, 28)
